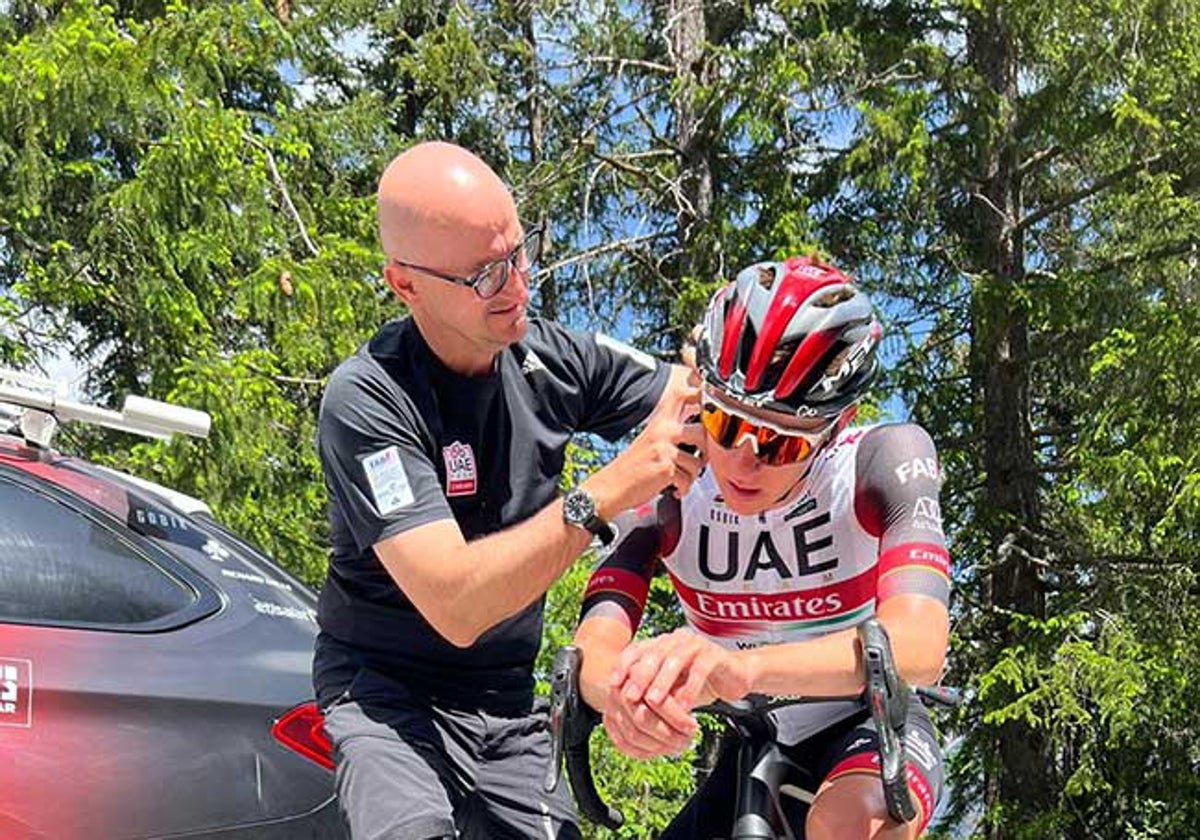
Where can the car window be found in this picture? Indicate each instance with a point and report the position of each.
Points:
(60, 566)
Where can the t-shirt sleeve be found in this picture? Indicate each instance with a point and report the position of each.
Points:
(898, 478)
(617, 385)
(379, 475)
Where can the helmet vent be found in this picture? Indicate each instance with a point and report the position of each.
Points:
(766, 276)
(838, 360)
(779, 360)
(832, 298)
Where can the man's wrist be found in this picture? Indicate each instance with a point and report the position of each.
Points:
(751, 663)
(597, 488)
(579, 511)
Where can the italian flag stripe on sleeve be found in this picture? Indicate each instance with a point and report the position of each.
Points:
(929, 556)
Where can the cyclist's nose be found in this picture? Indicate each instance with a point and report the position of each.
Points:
(746, 453)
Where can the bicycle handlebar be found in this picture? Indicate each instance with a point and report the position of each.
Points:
(886, 696)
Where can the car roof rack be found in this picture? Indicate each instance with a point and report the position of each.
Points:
(43, 405)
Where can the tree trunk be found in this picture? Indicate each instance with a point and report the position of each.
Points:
(1001, 366)
(687, 34)
(547, 289)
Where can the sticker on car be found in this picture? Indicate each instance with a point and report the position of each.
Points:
(16, 692)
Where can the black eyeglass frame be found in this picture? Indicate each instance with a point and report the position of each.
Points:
(478, 280)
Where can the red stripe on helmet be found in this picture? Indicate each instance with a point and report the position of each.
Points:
(810, 351)
(730, 335)
(789, 295)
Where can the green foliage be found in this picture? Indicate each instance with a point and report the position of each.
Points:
(186, 208)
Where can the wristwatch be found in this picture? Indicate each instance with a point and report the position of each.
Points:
(579, 509)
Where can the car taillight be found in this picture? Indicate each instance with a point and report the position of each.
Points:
(303, 729)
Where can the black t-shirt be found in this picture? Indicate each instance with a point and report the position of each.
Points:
(405, 441)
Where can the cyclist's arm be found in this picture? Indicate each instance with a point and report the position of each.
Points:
(896, 497)
(616, 593)
(832, 665)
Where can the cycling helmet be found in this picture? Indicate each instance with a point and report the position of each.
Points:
(796, 337)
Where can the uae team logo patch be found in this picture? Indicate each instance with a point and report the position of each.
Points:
(460, 469)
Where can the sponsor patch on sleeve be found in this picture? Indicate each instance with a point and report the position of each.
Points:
(385, 473)
(644, 359)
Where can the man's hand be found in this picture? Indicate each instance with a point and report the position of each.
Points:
(655, 459)
(639, 731)
(657, 682)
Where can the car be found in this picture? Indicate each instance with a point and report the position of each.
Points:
(154, 667)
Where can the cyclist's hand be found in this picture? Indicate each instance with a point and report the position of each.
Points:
(676, 672)
(664, 454)
(637, 730)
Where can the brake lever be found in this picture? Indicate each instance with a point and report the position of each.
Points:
(566, 662)
(942, 694)
(571, 725)
(887, 697)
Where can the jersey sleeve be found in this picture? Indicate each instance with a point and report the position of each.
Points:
(615, 386)
(898, 480)
(619, 585)
(379, 476)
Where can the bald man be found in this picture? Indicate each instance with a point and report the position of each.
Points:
(442, 442)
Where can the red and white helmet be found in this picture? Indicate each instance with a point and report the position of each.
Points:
(794, 337)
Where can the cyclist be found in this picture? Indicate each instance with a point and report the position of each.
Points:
(799, 528)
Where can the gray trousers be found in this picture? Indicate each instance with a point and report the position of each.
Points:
(411, 768)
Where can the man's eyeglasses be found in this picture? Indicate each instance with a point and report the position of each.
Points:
(491, 278)
(773, 445)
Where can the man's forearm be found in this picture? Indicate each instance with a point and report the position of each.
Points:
(601, 640)
(495, 577)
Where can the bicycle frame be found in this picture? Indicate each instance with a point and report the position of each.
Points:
(761, 811)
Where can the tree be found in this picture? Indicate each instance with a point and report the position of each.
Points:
(1022, 186)
(187, 205)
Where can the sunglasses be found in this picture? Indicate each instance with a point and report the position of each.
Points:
(491, 278)
(772, 445)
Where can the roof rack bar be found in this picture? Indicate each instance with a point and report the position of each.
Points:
(45, 408)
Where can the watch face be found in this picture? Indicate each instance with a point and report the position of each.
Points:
(578, 507)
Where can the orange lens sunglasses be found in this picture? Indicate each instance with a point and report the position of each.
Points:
(772, 446)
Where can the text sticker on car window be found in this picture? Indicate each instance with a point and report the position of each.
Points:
(390, 489)
(159, 523)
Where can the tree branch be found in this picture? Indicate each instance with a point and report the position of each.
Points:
(991, 205)
(288, 206)
(599, 250)
(622, 63)
(1041, 156)
(1170, 249)
(1151, 164)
